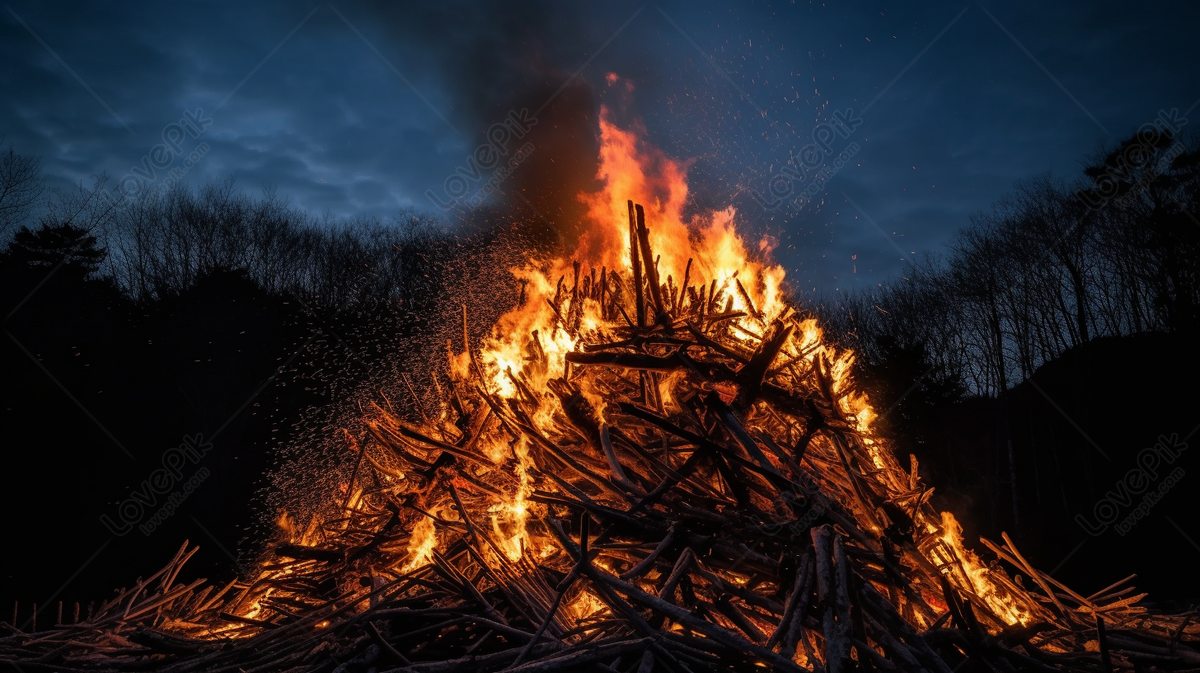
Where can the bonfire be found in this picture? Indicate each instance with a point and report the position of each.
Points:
(653, 463)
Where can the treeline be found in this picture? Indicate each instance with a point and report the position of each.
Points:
(1029, 363)
(1050, 267)
(161, 243)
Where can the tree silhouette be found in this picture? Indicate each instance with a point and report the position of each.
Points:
(20, 185)
(68, 250)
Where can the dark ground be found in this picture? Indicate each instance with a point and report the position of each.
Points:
(225, 360)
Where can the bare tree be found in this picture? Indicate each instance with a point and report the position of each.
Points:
(21, 185)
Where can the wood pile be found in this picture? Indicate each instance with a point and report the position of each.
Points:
(693, 488)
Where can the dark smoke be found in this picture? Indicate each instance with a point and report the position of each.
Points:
(498, 58)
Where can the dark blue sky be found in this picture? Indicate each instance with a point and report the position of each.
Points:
(365, 107)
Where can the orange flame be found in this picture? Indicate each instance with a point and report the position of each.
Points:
(632, 170)
(709, 250)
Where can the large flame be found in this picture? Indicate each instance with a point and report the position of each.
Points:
(632, 170)
(556, 317)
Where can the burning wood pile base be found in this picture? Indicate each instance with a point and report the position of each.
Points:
(662, 477)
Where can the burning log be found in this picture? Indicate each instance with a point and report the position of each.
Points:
(695, 490)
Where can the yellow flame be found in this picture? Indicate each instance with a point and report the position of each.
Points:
(630, 171)
(721, 264)
(421, 543)
(509, 518)
(979, 576)
(584, 605)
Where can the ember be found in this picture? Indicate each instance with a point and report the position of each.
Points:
(653, 463)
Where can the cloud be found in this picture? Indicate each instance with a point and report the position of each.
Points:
(329, 123)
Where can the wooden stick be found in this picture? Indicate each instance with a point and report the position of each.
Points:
(603, 291)
(746, 298)
(683, 289)
(1105, 657)
(635, 263)
(562, 591)
(645, 564)
(681, 565)
(1033, 573)
(650, 263)
(795, 632)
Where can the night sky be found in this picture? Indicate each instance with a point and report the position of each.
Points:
(356, 109)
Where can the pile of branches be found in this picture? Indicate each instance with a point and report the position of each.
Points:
(690, 494)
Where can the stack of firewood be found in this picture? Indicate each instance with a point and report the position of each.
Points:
(687, 490)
